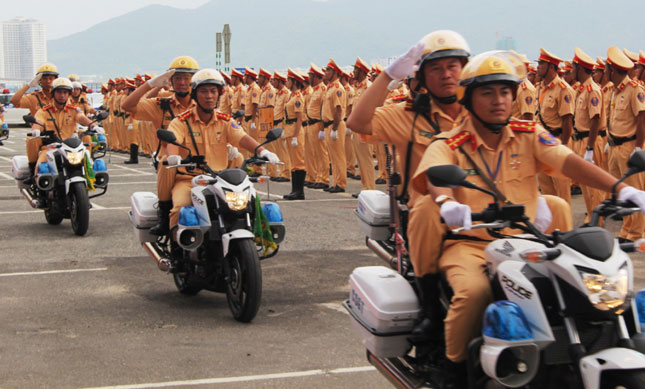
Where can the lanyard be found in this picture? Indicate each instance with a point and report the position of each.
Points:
(493, 176)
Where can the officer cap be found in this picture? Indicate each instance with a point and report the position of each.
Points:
(616, 58)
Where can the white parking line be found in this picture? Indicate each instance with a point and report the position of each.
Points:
(132, 170)
(37, 273)
(226, 380)
(5, 148)
(5, 158)
(8, 177)
(96, 206)
(40, 210)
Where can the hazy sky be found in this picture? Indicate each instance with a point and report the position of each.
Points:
(67, 17)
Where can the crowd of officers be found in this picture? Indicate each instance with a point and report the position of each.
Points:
(577, 120)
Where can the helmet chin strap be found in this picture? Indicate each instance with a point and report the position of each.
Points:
(182, 94)
(495, 128)
(444, 100)
(206, 110)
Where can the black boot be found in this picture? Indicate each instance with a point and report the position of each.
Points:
(456, 375)
(429, 327)
(163, 211)
(134, 155)
(297, 186)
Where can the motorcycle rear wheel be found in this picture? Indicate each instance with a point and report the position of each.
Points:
(244, 289)
(181, 282)
(627, 379)
(80, 208)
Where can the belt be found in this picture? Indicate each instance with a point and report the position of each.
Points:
(555, 131)
(617, 141)
(313, 121)
(304, 124)
(276, 122)
(345, 119)
(290, 121)
(247, 118)
(327, 124)
(579, 135)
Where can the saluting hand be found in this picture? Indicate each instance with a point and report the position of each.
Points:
(36, 81)
(406, 63)
(161, 80)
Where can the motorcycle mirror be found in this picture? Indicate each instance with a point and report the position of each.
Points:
(274, 134)
(446, 176)
(102, 108)
(238, 114)
(637, 160)
(101, 116)
(166, 136)
(29, 119)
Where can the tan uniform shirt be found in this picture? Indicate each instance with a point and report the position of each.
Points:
(237, 99)
(360, 89)
(335, 96)
(555, 101)
(314, 106)
(226, 100)
(150, 110)
(628, 100)
(393, 124)
(607, 91)
(211, 138)
(588, 105)
(252, 96)
(351, 96)
(31, 101)
(295, 105)
(526, 100)
(523, 151)
(65, 119)
(267, 97)
(280, 100)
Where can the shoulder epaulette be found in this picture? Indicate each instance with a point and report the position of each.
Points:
(409, 105)
(524, 86)
(47, 107)
(563, 85)
(633, 83)
(185, 115)
(522, 126)
(589, 88)
(223, 116)
(71, 106)
(399, 97)
(458, 139)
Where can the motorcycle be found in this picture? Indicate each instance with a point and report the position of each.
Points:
(98, 144)
(4, 132)
(564, 313)
(217, 247)
(61, 186)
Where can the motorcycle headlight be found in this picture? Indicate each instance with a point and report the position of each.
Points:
(237, 201)
(607, 293)
(75, 158)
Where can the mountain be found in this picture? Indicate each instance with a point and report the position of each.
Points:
(281, 33)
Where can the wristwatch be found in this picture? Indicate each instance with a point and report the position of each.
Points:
(442, 199)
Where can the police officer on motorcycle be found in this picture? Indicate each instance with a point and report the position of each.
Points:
(503, 156)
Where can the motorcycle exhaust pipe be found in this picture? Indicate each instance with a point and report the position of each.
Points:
(162, 263)
(381, 252)
(30, 200)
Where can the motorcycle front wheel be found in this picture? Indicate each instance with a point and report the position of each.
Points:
(244, 289)
(79, 208)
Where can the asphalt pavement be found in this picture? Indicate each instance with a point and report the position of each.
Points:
(95, 312)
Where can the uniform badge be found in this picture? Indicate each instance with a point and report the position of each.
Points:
(641, 97)
(235, 125)
(339, 93)
(547, 139)
(515, 162)
(528, 100)
(567, 98)
(297, 104)
(255, 95)
(270, 95)
(594, 101)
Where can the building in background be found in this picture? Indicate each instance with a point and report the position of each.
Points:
(505, 43)
(23, 48)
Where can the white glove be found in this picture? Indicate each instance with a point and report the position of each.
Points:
(634, 195)
(406, 63)
(543, 216)
(589, 156)
(348, 132)
(232, 152)
(271, 157)
(321, 135)
(283, 136)
(99, 130)
(253, 125)
(294, 142)
(161, 80)
(394, 84)
(635, 150)
(36, 81)
(35, 133)
(606, 150)
(173, 160)
(333, 134)
(456, 214)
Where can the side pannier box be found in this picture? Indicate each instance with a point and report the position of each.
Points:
(383, 307)
(143, 215)
(20, 167)
(373, 213)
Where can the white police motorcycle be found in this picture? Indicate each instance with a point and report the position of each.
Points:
(565, 314)
(61, 186)
(216, 248)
